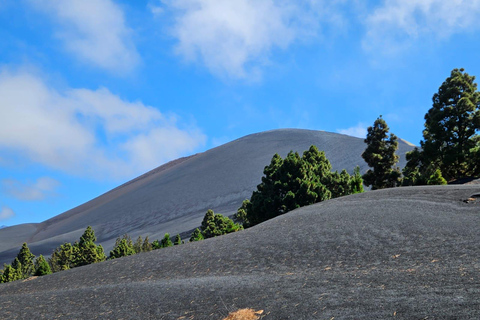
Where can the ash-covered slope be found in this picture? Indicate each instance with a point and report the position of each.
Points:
(174, 197)
(403, 253)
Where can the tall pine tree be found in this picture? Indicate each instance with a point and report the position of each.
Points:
(380, 156)
(450, 141)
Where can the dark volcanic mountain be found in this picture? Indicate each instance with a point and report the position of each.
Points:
(402, 253)
(174, 197)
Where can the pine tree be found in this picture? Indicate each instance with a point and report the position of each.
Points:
(241, 216)
(17, 265)
(451, 125)
(156, 245)
(166, 242)
(42, 267)
(138, 245)
(380, 156)
(146, 246)
(436, 178)
(88, 251)
(26, 259)
(177, 240)
(216, 225)
(123, 247)
(63, 258)
(196, 235)
(9, 274)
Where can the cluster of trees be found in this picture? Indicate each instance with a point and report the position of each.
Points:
(124, 246)
(24, 265)
(67, 256)
(85, 251)
(294, 182)
(450, 148)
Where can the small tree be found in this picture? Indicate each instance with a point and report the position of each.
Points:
(146, 246)
(17, 265)
(63, 258)
(380, 156)
(123, 247)
(216, 225)
(156, 245)
(177, 240)
(241, 216)
(166, 242)
(42, 267)
(196, 235)
(436, 178)
(9, 274)
(138, 245)
(25, 257)
(88, 251)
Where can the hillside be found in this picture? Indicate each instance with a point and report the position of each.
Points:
(174, 197)
(403, 253)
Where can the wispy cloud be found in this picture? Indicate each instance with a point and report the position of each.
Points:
(43, 188)
(6, 213)
(87, 132)
(93, 30)
(397, 24)
(235, 38)
(359, 131)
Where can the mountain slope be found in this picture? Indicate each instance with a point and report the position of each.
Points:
(406, 253)
(174, 197)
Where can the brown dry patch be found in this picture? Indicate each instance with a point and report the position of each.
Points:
(29, 279)
(244, 314)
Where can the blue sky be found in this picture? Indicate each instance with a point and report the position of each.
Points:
(95, 92)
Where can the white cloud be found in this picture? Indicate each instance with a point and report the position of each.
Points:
(359, 131)
(86, 132)
(236, 38)
(398, 23)
(6, 213)
(94, 31)
(31, 191)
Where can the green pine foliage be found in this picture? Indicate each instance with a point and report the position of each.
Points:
(88, 251)
(137, 246)
(17, 265)
(166, 241)
(294, 182)
(156, 245)
(146, 246)
(42, 267)
(196, 235)
(450, 139)
(81, 253)
(63, 258)
(436, 178)
(214, 225)
(9, 274)
(380, 156)
(177, 240)
(26, 258)
(123, 247)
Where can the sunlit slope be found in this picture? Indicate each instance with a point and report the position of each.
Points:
(173, 198)
(407, 252)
